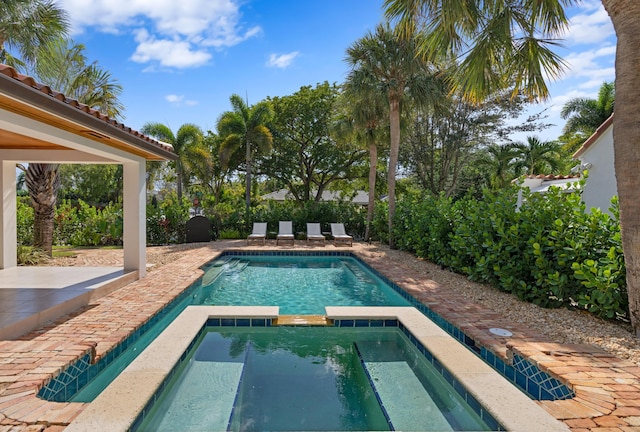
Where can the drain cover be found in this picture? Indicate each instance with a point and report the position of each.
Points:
(500, 332)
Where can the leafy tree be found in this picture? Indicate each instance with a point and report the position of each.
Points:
(443, 140)
(537, 157)
(390, 66)
(188, 135)
(306, 157)
(244, 129)
(96, 185)
(25, 26)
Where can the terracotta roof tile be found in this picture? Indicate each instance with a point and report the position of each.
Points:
(31, 82)
(552, 176)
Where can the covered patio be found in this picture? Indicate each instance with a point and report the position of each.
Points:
(40, 125)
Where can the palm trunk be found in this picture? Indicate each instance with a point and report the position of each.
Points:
(373, 162)
(179, 181)
(247, 193)
(394, 130)
(626, 133)
(43, 183)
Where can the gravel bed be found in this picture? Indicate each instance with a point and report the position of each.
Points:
(560, 325)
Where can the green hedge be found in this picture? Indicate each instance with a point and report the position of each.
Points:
(550, 252)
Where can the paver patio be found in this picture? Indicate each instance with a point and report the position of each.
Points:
(607, 388)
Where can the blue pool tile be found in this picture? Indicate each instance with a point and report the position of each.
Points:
(227, 322)
(521, 380)
(376, 323)
(243, 322)
(346, 323)
(215, 322)
(474, 404)
(258, 322)
(362, 323)
(533, 389)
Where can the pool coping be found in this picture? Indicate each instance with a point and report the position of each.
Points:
(119, 405)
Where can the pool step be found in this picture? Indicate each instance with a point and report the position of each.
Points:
(303, 320)
(399, 389)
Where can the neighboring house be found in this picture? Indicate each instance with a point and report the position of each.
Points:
(541, 183)
(361, 197)
(596, 156)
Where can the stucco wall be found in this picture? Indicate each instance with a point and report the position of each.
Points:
(601, 183)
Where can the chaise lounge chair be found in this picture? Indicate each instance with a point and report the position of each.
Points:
(339, 235)
(259, 232)
(285, 232)
(314, 233)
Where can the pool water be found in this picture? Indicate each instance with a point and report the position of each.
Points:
(306, 378)
(298, 285)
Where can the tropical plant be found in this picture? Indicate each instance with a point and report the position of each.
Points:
(585, 115)
(244, 129)
(366, 115)
(505, 44)
(537, 157)
(388, 65)
(188, 135)
(496, 162)
(25, 26)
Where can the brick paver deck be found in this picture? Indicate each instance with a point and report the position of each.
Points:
(607, 388)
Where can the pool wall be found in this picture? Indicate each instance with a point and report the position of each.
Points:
(125, 402)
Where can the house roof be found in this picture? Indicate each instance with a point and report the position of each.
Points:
(24, 96)
(593, 138)
(361, 197)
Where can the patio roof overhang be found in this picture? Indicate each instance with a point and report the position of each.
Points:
(40, 125)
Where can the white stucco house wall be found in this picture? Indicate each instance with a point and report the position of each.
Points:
(596, 156)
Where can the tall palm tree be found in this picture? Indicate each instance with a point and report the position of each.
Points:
(367, 112)
(585, 115)
(25, 25)
(187, 135)
(536, 157)
(488, 30)
(245, 129)
(390, 66)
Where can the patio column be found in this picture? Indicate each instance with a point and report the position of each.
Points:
(135, 216)
(8, 229)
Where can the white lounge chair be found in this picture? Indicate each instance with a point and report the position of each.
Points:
(285, 232)
(314, 233)
(259, 232)
(339, 235)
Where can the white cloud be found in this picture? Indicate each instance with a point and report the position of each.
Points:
(168, 53)
(179, 100)
(590, 25)
(187, 27)
(594, 64)
(282, 60)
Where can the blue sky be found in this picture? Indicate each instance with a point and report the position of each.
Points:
(179, 61)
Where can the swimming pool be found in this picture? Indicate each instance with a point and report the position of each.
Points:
(132, 395)
(298, 285)
(83, 381)
(308, 378)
